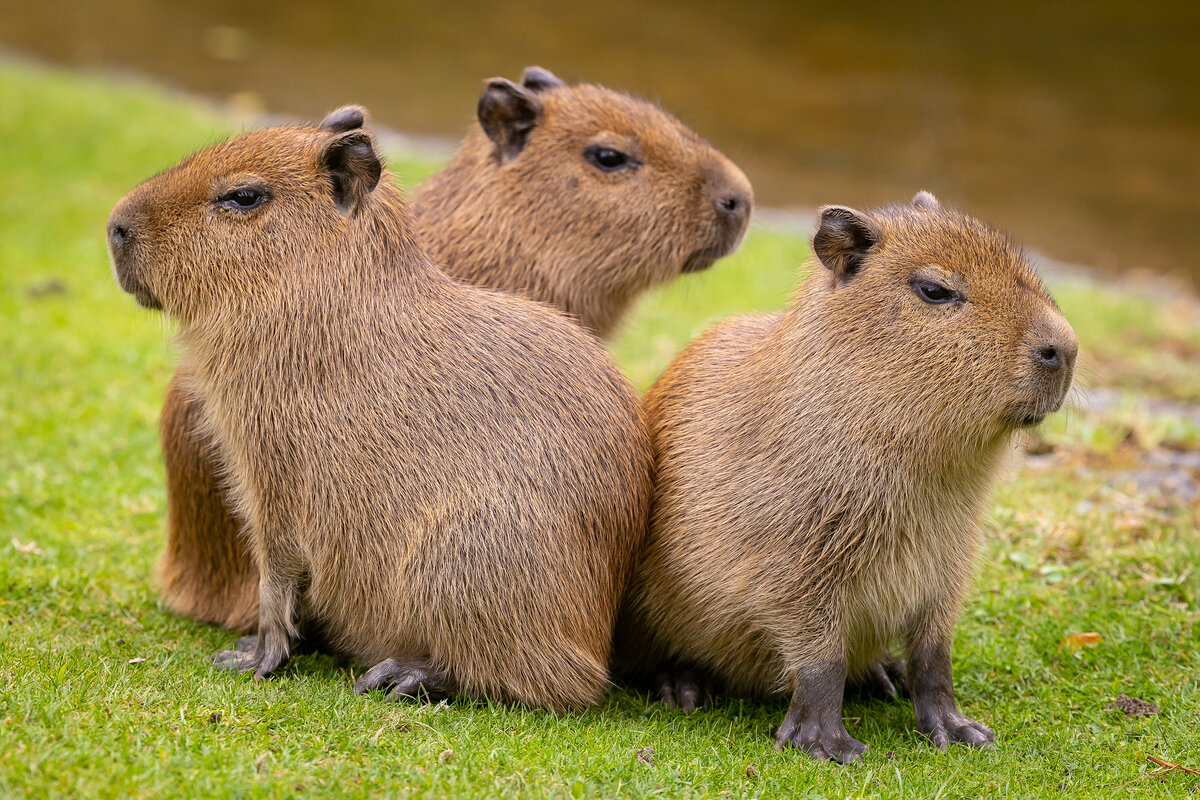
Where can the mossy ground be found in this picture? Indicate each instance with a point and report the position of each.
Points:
(105, 694)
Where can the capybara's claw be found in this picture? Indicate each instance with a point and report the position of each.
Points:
(404, 678)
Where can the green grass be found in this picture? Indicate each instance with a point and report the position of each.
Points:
(1075, 546)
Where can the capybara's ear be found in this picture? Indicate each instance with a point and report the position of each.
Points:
(842, 240)
(925, 200)
(507, 113)
(352, 166)
(346, 118)
(538, 80)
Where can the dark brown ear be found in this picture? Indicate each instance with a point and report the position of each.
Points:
(508, 113)
(843, 239)
(346, 118)
(353, 168)
(925, 200)
(538, 80)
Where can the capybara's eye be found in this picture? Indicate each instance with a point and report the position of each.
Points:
(607, 159)
(244, 198)
(933, 292)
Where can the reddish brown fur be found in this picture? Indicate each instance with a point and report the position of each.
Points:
(546, 224)
(428, 471)
(820, 472)
(551, 226)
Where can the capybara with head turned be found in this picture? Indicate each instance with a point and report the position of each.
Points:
(449, 483)
(581, 197)
(820, 473)
(577, 196)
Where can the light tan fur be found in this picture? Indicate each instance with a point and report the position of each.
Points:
(821, 471)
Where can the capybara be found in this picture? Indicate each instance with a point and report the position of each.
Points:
(448, 482)
(581, 197)
(532, 204)
(820, 473)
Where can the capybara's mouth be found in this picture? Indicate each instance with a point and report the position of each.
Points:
(145, 298)
(724, 241)
(1030, 414)
(703, 259)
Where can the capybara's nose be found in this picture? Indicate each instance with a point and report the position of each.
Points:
(731, 194)
(733, 204)
(120, 231)
(1057, 355)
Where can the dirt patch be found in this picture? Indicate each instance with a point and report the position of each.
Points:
(1133, 707)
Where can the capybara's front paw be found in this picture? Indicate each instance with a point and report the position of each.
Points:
(824, 741)
(683, 687)
(404, 678)
(260, 658)
(949, 726)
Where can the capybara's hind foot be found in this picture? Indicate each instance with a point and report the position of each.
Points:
(682, 686)
(884, 678)
(406, 678)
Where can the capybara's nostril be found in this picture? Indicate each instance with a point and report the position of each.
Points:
(732, 205)
(1048, 356)
(119, 232)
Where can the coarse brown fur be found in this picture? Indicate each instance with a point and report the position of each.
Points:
(523, 206)
(821, 472)
(545, 223)
(448, 482)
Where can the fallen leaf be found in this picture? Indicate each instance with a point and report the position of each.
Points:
(446, 755)
(751, 772)
(1169, 765)
(1077, 641)
(26, 548)
(646, 755)
(135, 660)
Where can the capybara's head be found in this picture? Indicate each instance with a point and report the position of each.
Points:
(614, 192)
(944, 314)
(228, 223)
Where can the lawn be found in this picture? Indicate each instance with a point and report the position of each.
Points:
(103, 693)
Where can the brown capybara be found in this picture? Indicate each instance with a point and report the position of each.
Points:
(534, 203)
(820, 473)
(581, 197)
(449, 483)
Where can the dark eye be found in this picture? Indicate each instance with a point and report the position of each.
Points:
(244, 198)
(933, 292)
(607, 159)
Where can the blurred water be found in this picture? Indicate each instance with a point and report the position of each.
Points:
(1077, 127)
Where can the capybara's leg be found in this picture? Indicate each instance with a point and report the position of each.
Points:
(932, 686)
(813, 722)
(278, 601)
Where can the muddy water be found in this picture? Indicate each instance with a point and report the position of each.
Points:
(1078, 128)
